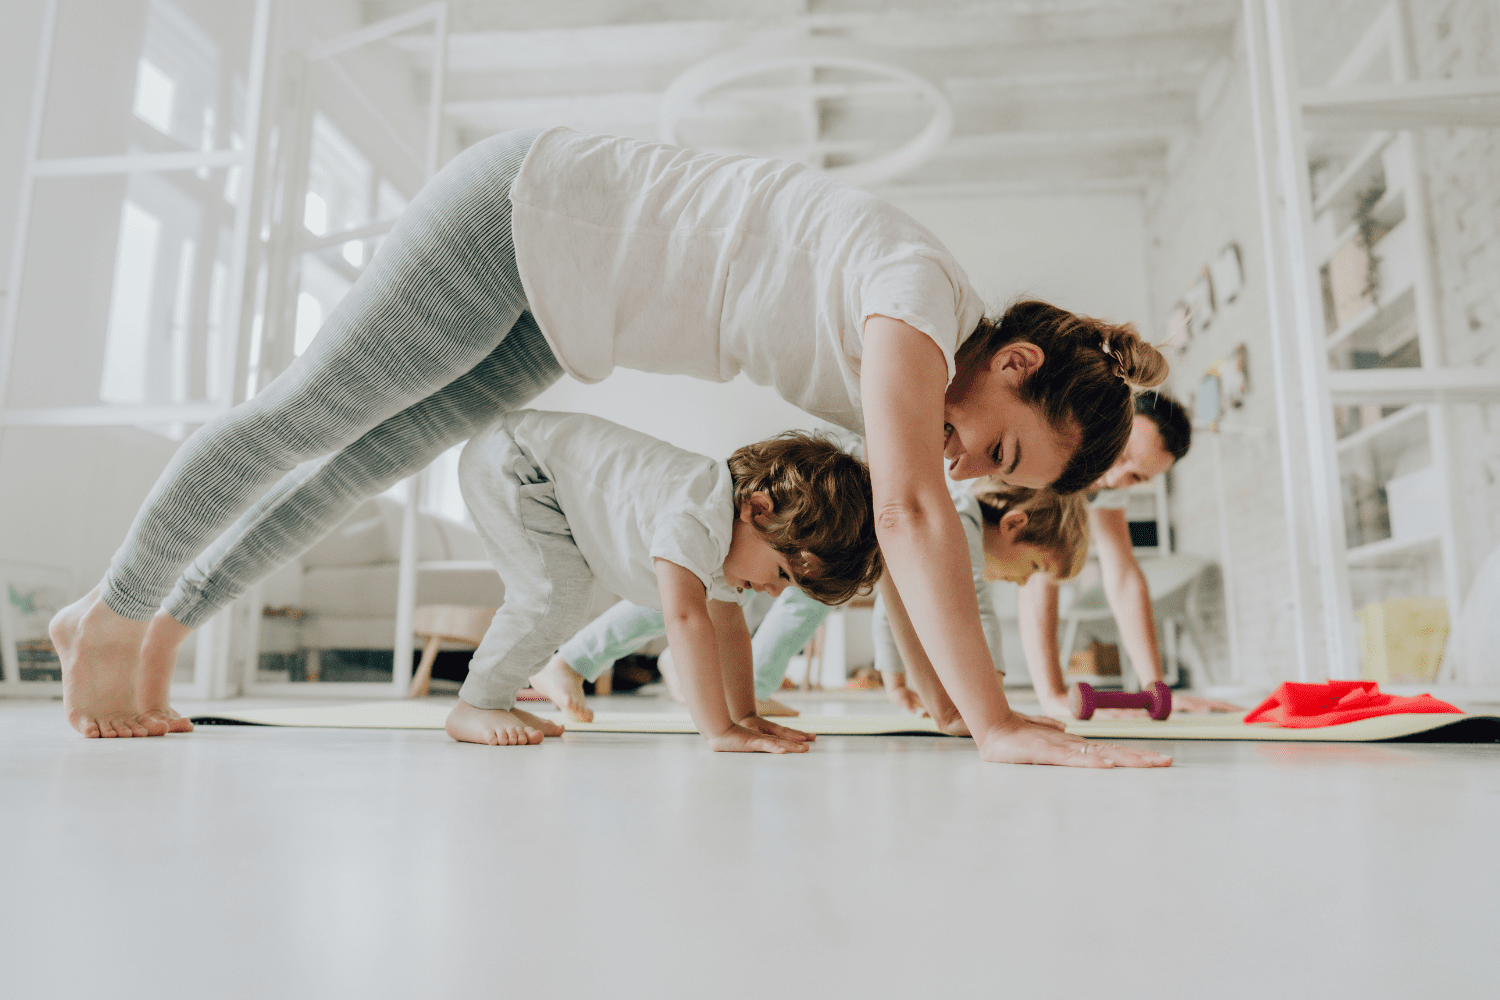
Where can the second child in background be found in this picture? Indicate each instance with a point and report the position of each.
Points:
(1013, 533)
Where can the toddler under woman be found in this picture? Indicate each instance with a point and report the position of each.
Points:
(565, 500)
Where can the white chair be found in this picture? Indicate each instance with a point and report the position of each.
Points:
(1173, 582)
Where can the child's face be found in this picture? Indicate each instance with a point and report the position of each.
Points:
(988, 431)
(752, 563)
(1010, 560)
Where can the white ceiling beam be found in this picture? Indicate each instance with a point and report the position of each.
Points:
(905, 22)
(521, 15)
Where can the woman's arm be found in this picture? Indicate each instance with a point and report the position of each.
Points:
(1125, 589)
(903, 379)
(921, 678)
(1038, 613)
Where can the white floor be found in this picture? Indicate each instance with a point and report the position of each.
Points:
(256, 862)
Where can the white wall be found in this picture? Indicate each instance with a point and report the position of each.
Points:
(68, 496)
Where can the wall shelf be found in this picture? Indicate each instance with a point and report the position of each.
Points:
(1403, 104)
(1401, 386)
(1359, 168)
(1385, 549)
(1385, 424)
(1395, 307)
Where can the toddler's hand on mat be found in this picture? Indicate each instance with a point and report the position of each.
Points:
(756, 724)
(738, 739)
(1021, 741)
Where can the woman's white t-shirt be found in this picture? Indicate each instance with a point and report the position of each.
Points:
(631, 499)
(646, 256)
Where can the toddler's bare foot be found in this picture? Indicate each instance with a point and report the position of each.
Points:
(494, 726)
(770, 706)
(563, 686)
(100, 653)
(164, 637)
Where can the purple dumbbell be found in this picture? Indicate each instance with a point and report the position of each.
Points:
(1156, 700)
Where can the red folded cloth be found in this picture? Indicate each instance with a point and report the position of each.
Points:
(1308, 706)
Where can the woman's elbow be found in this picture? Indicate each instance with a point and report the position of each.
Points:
(902, 518)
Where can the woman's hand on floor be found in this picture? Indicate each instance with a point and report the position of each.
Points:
(1021, 741)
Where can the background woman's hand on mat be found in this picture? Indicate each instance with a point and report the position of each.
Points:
(498, 727)
(1020, 741)
(755, 723)
(1193, 705)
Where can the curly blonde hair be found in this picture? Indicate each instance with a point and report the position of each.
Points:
(822, 513)
(1055, 523)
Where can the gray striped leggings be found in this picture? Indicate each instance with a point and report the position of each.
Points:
(431, 343)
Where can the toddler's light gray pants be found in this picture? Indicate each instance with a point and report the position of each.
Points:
(431, 343)
(549, 588)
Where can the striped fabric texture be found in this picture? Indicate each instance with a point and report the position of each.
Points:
(431, 343)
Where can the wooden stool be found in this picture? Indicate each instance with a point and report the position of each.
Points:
(439, 623)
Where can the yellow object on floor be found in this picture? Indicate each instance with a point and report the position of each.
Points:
(431, 715)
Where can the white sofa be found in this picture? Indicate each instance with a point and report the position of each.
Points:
(345, 585)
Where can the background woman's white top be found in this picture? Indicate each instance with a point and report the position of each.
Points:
(646, 256)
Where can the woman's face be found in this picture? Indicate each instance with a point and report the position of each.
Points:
(988, 431)
(1144, 457)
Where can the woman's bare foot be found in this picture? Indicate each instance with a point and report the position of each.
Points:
(770, 706)
(100, 653)
(495, 726)
(164, 637)
(563, 686)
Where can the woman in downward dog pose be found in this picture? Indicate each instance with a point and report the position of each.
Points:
(535, 253)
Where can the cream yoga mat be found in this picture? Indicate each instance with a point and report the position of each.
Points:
(1446, 728)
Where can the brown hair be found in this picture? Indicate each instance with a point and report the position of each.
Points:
(1059, 524)
(822, 512)
(1084, 380)
(1171, 420)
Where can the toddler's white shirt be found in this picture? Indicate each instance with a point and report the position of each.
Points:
(647, 256)
(630, 499)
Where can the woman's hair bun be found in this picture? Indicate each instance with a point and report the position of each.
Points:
(1136, 361)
